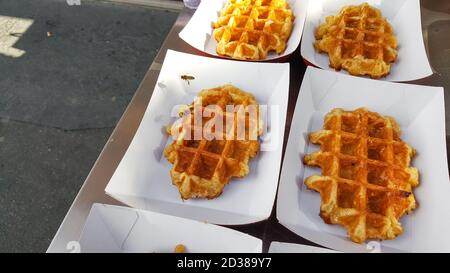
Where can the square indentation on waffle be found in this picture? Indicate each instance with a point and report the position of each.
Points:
(349, 168)
(377, 127)
(240, 22)
(377, 150)
(372, 37)
(215, 146)
(205, 166)
(262, 13)
(348, 195)
(350, 34)
(185, 159)
(350, 145)
(371, 52)
(377, 201)
(350, 123)
(352, 22)
(377, 175)
(349, 49)
(259, 25)
(373, 25)
(252, 37)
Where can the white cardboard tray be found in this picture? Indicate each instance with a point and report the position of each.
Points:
(420, 112)
(198, 31)
(404, 16)
(142, 178)
(119, 229)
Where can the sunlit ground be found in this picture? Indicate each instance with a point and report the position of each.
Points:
(11, 30)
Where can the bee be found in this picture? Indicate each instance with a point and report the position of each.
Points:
(187, 78)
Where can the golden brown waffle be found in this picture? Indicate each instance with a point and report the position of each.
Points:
(366, 183)
(358, 40)
(202, 168)
(249, 29)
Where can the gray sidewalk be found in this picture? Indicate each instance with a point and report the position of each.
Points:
(67, 75)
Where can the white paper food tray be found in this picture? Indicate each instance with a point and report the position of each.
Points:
(142, 178)
(198, 31)
(420, 112)
(404, 16)
(119, 229)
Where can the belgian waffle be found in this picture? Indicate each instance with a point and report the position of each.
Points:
(359, 39)
(202, 167)
(249, 29)
(366, 182)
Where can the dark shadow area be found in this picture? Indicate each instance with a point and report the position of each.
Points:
(60, 101)
(436, 25)
(437, 5)
(439, 46)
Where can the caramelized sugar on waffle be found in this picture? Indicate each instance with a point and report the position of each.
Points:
(366, 182)
(359, 39)
(202, 167)
(249, 29)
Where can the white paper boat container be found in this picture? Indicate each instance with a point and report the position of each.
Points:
(198, 31)
(279, 247)
(120, 229)
(142, 178)
(420, 112)
(404, 16)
